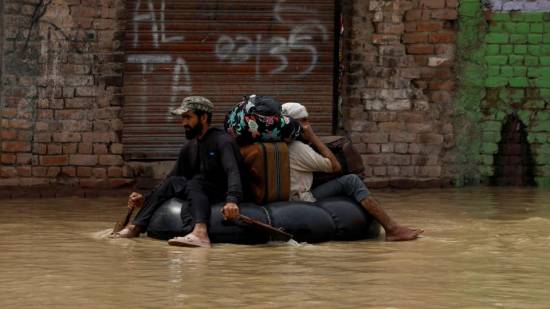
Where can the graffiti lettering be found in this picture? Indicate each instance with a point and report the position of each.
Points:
(147, 61)
(309, 21)
(181, 76)
(240, 49)
(279, 48)
(180, 70)
(158, 35)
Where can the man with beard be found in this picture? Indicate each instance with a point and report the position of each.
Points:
(207, 171)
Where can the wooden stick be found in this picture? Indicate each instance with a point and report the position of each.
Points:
(264, 226)
(122, 223)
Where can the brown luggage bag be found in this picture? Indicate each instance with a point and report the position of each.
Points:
(269, 171)
(347, 155)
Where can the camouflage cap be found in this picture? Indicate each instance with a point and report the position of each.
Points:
(193, 103)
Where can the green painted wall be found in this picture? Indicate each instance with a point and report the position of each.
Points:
(504, 68)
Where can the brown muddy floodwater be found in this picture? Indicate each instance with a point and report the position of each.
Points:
(483, 248)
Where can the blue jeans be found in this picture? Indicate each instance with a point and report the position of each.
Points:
(348, 185)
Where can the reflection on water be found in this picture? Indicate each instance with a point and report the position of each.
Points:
(483, 247)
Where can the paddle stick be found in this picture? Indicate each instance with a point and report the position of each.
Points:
(263, 226)
(286, 236)
(119, 225)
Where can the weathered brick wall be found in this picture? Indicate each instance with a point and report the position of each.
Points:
(62, 99)
(62, 123)
(427, 86)
(1, 58)
(518, 82)
(504, 71)
(399, 87)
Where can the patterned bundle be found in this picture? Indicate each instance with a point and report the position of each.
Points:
(259, 119)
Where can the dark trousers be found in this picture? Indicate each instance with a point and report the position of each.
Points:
(199, 192)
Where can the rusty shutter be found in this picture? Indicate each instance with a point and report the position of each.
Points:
(222, 50)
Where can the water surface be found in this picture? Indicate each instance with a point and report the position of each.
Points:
(483, 248)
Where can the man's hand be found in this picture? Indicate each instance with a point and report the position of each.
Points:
(310, 137)
(135, 200)
(230, 211)
(307, 131)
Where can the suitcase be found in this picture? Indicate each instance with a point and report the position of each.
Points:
(269, 171)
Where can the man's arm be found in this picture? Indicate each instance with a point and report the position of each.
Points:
(231, 169)
(137, 199)
(311, 137)
(234, 186)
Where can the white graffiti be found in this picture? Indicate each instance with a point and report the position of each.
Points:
(147, 61)
(236, 50)
(240, 48)
(279, 48)
(181, 76)
(180, 70)
(280, 9)
(156, 33)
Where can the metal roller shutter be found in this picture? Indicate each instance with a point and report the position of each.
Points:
(222, 50)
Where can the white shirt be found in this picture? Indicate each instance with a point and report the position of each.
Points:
(303, 162)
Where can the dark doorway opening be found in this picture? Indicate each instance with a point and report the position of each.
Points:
(514, 164)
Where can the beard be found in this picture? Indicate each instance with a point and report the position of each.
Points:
(192, 132)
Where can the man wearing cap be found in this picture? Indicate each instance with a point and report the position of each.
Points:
(208, 170)
(304, 161)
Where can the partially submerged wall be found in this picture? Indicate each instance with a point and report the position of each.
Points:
(504, 70)
(427, 86)
(399, 89)
(61, 97)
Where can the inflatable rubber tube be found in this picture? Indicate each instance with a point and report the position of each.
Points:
(306, 221)
(352, 222)
(337, 218)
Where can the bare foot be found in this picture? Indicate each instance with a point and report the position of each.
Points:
(401, 233)
(130, 231)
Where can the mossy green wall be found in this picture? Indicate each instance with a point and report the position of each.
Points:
(504, 68)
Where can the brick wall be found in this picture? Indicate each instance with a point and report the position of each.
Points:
(62, 99)
(504, 72)
(427, 85)
(61, 123)
(1, 61)
(518, 82)
(399, 86)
